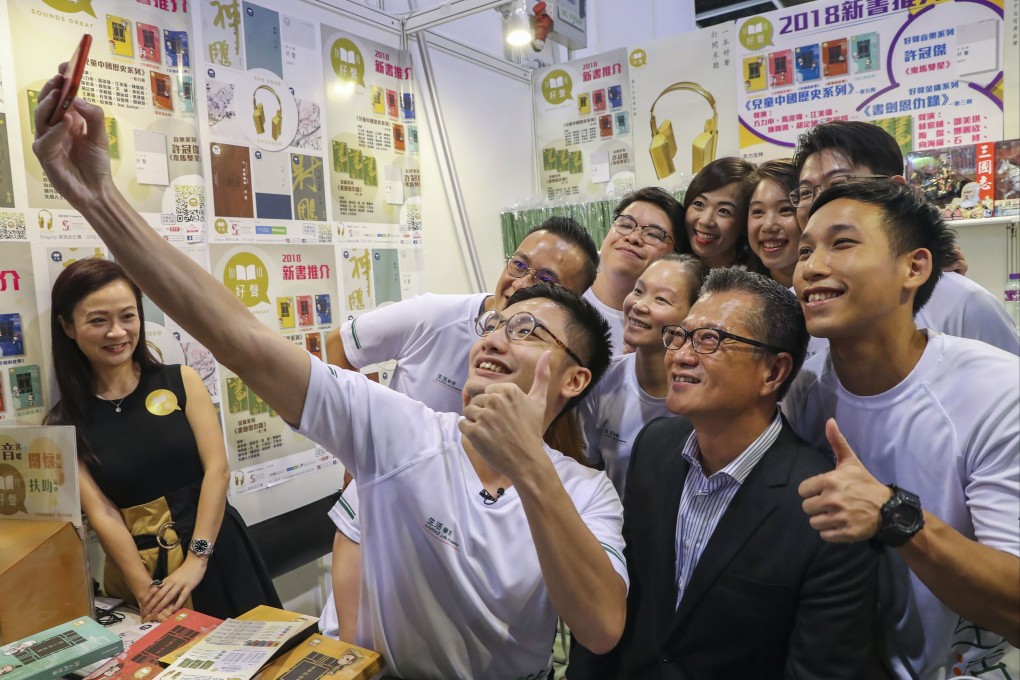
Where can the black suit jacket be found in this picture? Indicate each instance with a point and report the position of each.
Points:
(768, 598)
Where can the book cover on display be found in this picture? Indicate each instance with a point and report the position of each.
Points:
(57, 651)
(324, 657)
(141, 659)
(1007, 177)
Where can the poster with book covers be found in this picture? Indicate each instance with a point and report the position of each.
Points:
(293, 289)
(262, 124)
(583, 126)
(930, 73)
(23, 394)
(139, 70)
(372, 140)
(684, 104)
(6, 176)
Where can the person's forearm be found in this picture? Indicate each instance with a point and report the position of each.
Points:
(212, 501)
(584, 588)
(119, 547)
(346, 572)
(978, 582)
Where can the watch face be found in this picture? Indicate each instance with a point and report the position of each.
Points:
(200, 546)
(905, 517)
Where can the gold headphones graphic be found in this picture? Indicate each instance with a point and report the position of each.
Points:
(260, 113)
(663, 146)
(45, 222)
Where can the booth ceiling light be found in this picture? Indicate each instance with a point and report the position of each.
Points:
(518, 26)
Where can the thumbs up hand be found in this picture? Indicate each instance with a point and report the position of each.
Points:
(844, 505)
(505, 424)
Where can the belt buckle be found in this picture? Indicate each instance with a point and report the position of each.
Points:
(162, 541)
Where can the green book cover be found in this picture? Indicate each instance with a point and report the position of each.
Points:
(58, 651)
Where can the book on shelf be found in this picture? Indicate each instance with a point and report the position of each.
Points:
(57, 651)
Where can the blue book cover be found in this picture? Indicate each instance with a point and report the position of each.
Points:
(58, 651)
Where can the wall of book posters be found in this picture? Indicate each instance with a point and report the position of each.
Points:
(583, 126)
(236, 127)
(684, 104)
(140, 71)
(931, 73)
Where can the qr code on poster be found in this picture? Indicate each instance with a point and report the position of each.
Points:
(413, 217)
(12, 226)
(189, 203)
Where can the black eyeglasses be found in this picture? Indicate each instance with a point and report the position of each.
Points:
(801, 197)
(518, 268)
(520, 326)
(650, 233)
(705, 340)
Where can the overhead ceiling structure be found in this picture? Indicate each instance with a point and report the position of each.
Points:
(712, 12)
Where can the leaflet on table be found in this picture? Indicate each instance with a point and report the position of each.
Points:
(930, 73)
(262, 125)
(39, 474)
(294, 290)
(372, 130)
(583, 127)
(684, 105)
(139, 70)
(235, 650)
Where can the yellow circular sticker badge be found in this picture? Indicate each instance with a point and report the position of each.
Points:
(161, 403)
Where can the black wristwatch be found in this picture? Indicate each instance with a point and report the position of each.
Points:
(201, 547)
(902, 517)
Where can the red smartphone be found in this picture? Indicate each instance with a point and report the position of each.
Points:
(72, 78)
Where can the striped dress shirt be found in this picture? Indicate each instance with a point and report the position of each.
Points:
(705, 499)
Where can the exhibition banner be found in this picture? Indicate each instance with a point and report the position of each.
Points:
(929, 72)
(293, 290)
(583, 127)
(262, 122)
(684, 105)
(22, 357)
(373, 140)
(139, 70)
(39, 474)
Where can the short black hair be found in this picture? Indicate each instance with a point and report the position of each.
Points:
(781, 170)
(720, 173)
(667, 203)
(863, 144)
(910, 222)
(572, 231)
(778, 321)
(587, 330)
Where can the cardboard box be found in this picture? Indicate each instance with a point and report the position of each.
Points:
(44, 580)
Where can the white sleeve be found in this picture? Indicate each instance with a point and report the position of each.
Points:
(603, 515)
(984, 318)
(587, 423)
(344, 513)
(383, 334)
(993, 475)
(370, 428)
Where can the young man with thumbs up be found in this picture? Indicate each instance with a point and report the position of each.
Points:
(925, 428)
(476, 536)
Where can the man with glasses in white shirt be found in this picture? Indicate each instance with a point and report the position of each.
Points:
(728, 578)
(644, 229)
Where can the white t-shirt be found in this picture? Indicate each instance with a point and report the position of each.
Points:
(343, 513)
(949, 432)
(451, 587)
(961, 308)
(430, 337)
(612, 415)
(614, 317)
